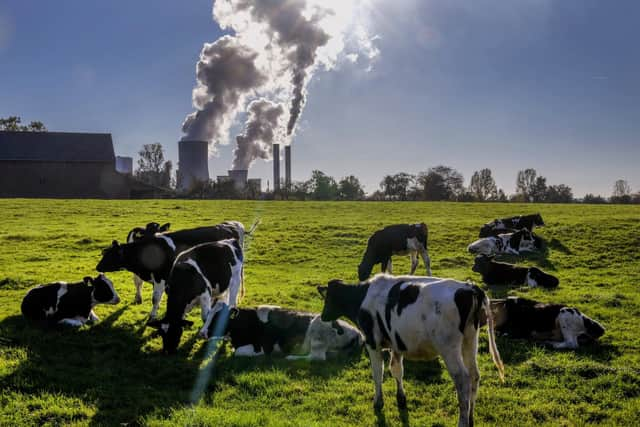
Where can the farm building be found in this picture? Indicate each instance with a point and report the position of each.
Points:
(60, 165)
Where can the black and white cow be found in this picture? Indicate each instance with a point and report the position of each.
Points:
(418, 318)
(501, 273)
(400, 239)
(270, 329)
(68, 303)
(510, 243)
(514, 223)
(152, 258)
(555, 324)
(139, 233)
(209, 274)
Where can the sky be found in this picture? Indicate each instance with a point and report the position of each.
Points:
(552, 85)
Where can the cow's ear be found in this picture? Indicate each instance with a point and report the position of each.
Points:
(186, 323)
(336, 282)
(323, 291)
(233, 313)
(87, 280)
(115, 243)
(164, 227)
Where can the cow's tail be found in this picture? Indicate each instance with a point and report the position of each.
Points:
(484, 307)
(255, 225)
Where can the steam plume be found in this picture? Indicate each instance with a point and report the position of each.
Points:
(260, 132)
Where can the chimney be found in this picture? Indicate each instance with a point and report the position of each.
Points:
(193, 157)
(287, 167)
(276, 167)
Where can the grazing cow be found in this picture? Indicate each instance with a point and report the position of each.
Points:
(513, 243)
(514, 223)
(418, 318)
(501, 273)
(400, 239)
(139, 233)
(68, 303)
(555, 324)
(209, 274)
(152, 258)
(271, 329)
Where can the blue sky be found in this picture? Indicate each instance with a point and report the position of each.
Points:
(553, 85)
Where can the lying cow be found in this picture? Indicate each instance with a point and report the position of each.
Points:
(418, 318)
(68, 303)
(151, 258)
(139, 233)
(514, 223)
(209, 274)
(555, 324)
(501, 273)
(510, 243)
(400, 239)
(271, 329)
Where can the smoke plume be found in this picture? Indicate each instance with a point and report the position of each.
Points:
(260, 132)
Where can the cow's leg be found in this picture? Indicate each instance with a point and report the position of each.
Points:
(397, 371)
(137, 281)
(387, 266)
(469, 356)
(158, 290)
(427, 261)
(377, 370)
(462, 380)
(93, 317)
(414, 262)
(247, 351)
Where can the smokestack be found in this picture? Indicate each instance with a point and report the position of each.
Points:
(276, 167)
(287, 167)
(192, 163)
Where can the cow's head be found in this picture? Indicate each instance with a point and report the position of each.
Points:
(594, 330)
(171, 332)
(364, 270)
(484, 246)
(153, 228)
(537, 220)
(219, 325)
(103, 291)
(481, 264)
(112, 258)
(341, 299)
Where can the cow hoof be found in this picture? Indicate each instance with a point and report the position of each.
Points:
(151, 320)
(203, 335)
(402, 401)
(378, 404)
(137, 300)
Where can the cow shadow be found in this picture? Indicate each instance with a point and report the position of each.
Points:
(557, 245)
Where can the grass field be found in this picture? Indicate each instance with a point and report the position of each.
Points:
(113, 373)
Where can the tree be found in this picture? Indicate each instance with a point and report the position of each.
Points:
(596, 200)
(524, 183)
(152, 168)
(482, 186)
(322, 187)
(396, 187)
(621, 192)
(440, 183)
(538, 190)
(559, 194)
(349, 188)
(12, 123)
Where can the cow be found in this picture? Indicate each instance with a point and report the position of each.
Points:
(511, 224)
(69, 304)
(139, 233)
(555, 324)
(510, 243)
(501, 273)
(271, 329)
(400, 239)
(151, 258)
(209, 274)
(417, 318)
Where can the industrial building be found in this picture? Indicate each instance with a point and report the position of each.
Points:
(193, 163)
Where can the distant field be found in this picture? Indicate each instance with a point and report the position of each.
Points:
(113, 373)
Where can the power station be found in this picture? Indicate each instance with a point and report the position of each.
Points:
(193, 165)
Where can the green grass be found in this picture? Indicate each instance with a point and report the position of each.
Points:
(113, 372)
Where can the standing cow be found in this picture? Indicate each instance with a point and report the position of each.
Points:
(152, 258)
(511, 224)
(139, 233)
(418, 318)
(68, 303)
(209, 274)
(400, 239)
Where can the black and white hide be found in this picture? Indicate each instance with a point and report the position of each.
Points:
(68, 303)
(500, 273)
(510, 243)
(151, 258)
(553, 324)
(209, 275)
(139, 233)
(511, 224)
(400, 239)
(418, 318)
(268, 329)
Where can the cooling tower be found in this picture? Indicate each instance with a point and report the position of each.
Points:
(192, 163)
(124, 165)
(239, 177)
(287, 167)
(276, 167)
